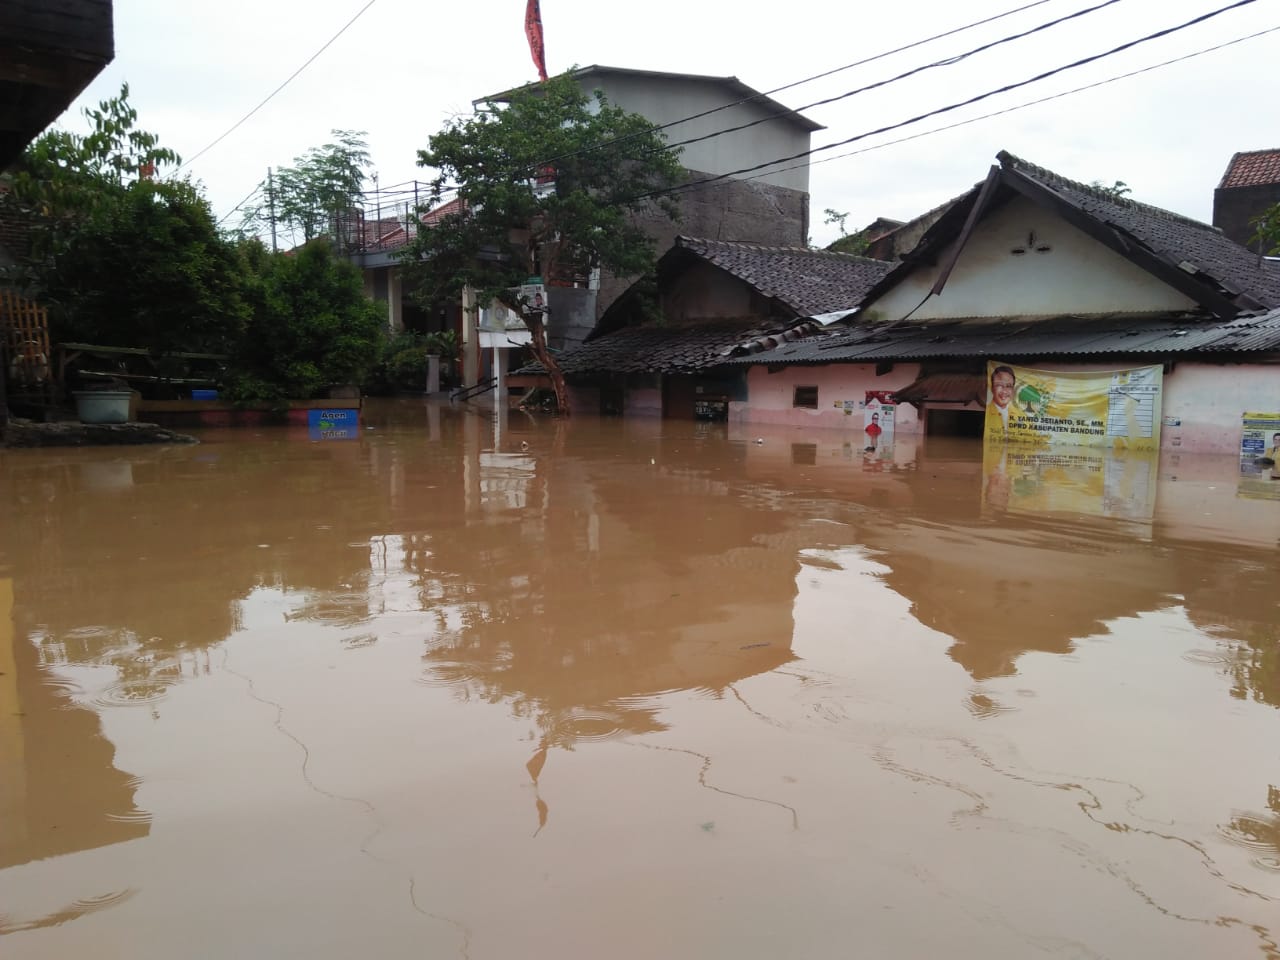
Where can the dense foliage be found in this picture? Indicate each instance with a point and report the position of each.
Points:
(549, 186)
(124, 258)
(121, 257)
(311, 326)
(1266, 235)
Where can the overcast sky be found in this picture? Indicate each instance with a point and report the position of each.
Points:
(196, 67)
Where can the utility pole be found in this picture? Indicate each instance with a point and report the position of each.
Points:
(271, 206)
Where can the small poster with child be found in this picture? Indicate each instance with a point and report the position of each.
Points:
(877, 427)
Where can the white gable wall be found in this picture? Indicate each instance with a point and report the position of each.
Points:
(1074, 275)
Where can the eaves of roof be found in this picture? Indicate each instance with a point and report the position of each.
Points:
(1195, 258)
(662, 349)
(1061, 337)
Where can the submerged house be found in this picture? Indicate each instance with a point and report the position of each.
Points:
(661, 348)
(1032, 268)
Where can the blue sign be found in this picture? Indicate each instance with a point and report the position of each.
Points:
(333, 424)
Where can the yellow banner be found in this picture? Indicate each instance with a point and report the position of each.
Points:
(1119, 409)
(1070, 481)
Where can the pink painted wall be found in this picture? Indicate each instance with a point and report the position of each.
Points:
(770, 396)
(1208, 399)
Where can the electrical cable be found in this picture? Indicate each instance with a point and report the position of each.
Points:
(795, 83)
(1020, 106)
(272, 94)
(950, 107)
(252, 193)
(949, 61)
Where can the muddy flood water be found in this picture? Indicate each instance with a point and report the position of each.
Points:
(607, 689)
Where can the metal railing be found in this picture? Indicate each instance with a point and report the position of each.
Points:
(466, 393)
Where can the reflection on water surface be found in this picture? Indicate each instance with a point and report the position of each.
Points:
(606, 688)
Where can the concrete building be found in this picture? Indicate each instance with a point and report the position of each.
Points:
(721, 126)
(660, 349)
(1033, 268)
(1249, 185)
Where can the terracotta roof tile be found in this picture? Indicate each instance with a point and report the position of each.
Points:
(1252, 169)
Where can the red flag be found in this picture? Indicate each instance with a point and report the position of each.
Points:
(533, 30)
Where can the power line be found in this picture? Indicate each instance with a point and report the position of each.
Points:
(947, 109)
(272, 94)
(252, 193)
(949, 61)
(1021, 106)
(795, 83)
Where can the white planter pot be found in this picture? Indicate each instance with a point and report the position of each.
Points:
(102, 406)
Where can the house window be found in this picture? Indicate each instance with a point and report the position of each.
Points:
(806, 397)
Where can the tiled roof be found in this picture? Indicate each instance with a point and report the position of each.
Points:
(1179, 241)
(435, 215)
(807, 281)
(1066, 336)
(662, 349)
(1252, 169)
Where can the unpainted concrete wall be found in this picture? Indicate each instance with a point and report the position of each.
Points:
(747, 211)
(1234, 208)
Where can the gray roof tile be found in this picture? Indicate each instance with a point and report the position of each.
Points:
(807, 281)
(1176, 239)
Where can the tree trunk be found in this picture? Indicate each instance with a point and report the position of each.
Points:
(533, 321)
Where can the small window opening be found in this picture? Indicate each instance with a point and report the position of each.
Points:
(806, 397)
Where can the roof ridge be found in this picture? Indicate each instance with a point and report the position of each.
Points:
(1014, 162)
(759, 247)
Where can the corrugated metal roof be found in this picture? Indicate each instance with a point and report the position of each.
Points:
(1040, 336)
(945, 388)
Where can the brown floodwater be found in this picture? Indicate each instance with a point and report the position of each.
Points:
(608, 689)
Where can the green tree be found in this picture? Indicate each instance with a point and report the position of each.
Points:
(549, 186)
(1266, 231)
(319, 192)
(312, 327)
(1117, 191)
(121, 257)
(855, 243)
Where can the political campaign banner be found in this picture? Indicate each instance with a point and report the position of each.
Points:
(1070, 482)
(1260, 456)
(1116, 409)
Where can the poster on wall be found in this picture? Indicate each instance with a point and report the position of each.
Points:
(1260, 456)
(877, 422)
(1118, 409)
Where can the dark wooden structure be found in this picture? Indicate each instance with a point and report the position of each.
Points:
(49, 51)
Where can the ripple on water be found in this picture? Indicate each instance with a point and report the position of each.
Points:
(66, 688)
(447, 673)
(1257, 833)
(984, 707)
(130, 693)
(1212, 658)
(133, 816)
(587, 725)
